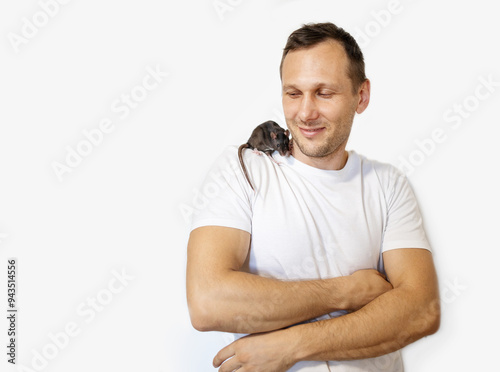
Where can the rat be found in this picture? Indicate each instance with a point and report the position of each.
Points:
(266, 137)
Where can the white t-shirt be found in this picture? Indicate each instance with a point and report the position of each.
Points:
(308, 223)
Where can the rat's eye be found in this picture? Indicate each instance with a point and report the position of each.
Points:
(279, 145)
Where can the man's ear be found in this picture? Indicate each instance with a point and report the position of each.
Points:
(364, 96)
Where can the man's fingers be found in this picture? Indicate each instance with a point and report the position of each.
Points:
(230, 366)
(222, 355)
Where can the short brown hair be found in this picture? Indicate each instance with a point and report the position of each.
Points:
(314, 33)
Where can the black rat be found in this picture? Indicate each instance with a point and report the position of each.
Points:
(266, 137)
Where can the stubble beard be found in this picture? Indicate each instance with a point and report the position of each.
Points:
(329, 146)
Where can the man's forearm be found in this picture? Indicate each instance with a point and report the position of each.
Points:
(245, 303)
(390, 322)
(393, 320)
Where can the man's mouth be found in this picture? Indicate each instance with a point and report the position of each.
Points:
(310, 132)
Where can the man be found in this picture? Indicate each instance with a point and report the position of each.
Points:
(301, 264)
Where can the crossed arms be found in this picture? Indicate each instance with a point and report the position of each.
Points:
(386, 315)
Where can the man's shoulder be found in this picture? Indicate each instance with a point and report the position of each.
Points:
(230, 154)
(381, 173)
(227, 158)
(382, 168)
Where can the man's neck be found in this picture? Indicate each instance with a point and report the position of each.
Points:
(334, 161)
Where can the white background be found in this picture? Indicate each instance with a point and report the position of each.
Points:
(122, 208)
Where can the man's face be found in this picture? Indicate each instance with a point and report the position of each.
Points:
(318, 101)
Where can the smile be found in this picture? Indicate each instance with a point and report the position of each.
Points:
(310, 132)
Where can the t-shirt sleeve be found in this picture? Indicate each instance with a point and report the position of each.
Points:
(224, 197)
(404, 225)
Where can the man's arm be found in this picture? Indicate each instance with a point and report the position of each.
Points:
(388, 323)
(223, 298)
(395, 319)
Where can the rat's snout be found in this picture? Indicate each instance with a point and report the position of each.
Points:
(283, 150)
(282, 143)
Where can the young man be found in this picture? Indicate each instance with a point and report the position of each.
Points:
(301, 264)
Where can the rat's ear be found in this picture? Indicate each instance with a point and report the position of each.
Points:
(287, 133)
(273, 135)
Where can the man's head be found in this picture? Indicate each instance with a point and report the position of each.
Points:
(323, 86)
(314, 33)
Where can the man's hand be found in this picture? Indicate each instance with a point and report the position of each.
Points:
(262, 352)
(366, 286)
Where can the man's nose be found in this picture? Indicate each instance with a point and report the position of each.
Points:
(308, 109)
